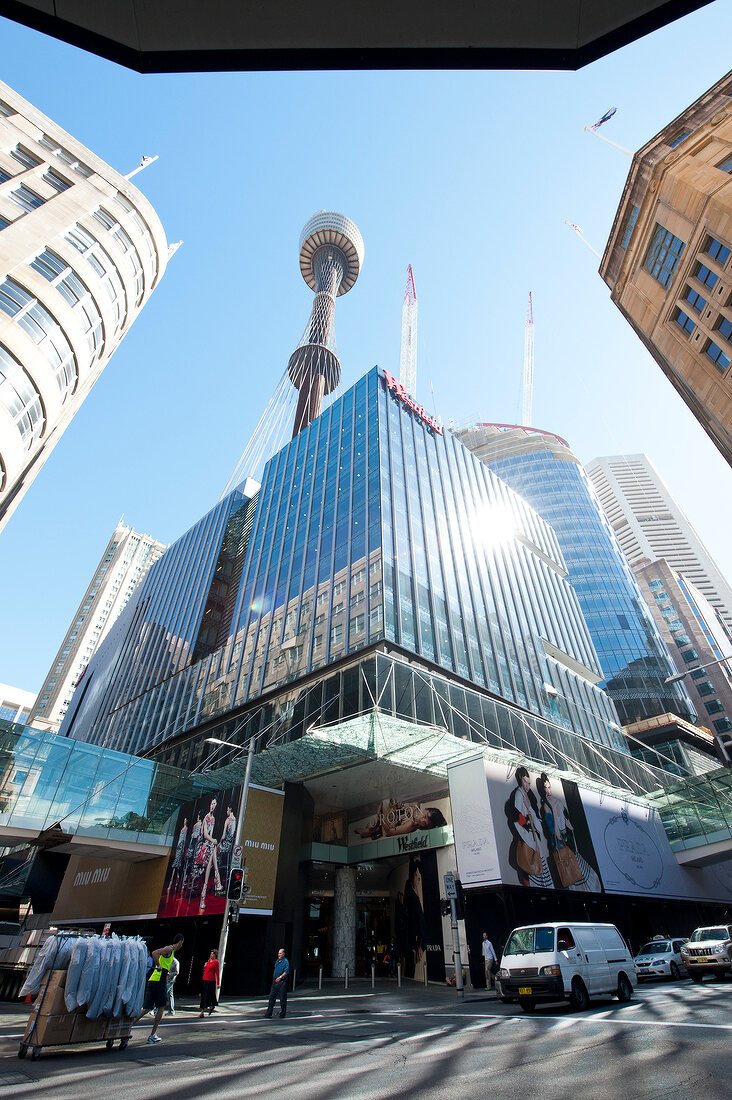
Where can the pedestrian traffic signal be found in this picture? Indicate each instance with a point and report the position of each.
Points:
(459, 901)
(236, 884)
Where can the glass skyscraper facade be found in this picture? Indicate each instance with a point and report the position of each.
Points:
(371, 530)
(634, 658)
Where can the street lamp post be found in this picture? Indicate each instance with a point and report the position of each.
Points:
(224, 937)
(680, 675)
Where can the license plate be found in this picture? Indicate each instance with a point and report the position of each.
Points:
(524, 990)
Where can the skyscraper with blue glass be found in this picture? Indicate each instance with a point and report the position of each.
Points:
(374, 540)
(542, 469)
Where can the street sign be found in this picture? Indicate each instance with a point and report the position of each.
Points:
(450, 887)
(236, 855)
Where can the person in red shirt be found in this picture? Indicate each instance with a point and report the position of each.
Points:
(210, 984)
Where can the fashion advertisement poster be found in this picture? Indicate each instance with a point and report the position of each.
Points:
(417, 917)
(390, 817)
(516, 825)
(521, 827)
(202, 854)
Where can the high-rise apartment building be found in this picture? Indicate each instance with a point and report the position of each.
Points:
(697, 641)
(650, 524)
(668, 260)
(123, 564)
(541, 467)
(81, 252)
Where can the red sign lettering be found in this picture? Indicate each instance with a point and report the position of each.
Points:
(399, 391)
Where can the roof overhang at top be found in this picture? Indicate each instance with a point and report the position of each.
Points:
(170, 36)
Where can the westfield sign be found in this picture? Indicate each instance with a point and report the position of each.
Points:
(399, 391)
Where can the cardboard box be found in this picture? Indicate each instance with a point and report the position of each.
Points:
(88, 1031)
(118, 1029)
(50, 999)
(50, 1030)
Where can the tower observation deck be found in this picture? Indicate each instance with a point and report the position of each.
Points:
(331, 254)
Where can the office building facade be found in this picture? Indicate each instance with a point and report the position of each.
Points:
(668, 260)
(82, 251)
(697, 641)
(635, 661)
(124, 563)
(650, 524)
(15, 704)
(372, 531)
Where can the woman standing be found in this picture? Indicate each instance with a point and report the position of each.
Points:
(560, 834)
(207, 854)
(226, 845)
(531, 847)
(209, 985)
(177, 869)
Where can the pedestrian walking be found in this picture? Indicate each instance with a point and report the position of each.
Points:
(490, 961)
(210, 984)
(172, 975)
(280, 978)
(156, 990)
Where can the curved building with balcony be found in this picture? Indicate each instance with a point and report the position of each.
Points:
(82, 251)
(635, 661)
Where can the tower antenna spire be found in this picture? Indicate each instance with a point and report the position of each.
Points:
(408, 358)
(528, 388)
(331, 254)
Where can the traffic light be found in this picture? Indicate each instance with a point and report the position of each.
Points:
(445, 907)
(459, 901)
(236, 884)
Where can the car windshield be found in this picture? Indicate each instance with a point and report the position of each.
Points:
(525, 941)
(654, 947)
(718, 933)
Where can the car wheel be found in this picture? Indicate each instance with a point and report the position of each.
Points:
(527, 1005)
(675, 972)
(579, 997)
(625, 989)
(697, 978)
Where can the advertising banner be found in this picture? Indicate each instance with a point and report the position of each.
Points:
(96, 889)
(203, 853)
(394, 827)
(522, 827)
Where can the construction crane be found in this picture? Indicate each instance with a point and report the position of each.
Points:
(528, 390)
(408, 358)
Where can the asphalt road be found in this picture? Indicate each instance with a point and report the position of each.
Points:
(672, 1042)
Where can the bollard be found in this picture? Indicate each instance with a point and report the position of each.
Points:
(425, 971)
(320, 977)
(346, 983)
(399, 975)
(373, 975)
(294, 978)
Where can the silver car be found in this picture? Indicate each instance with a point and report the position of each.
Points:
(660, 958)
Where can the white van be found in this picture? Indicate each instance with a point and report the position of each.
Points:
(558, 962)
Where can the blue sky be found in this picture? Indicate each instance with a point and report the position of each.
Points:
(467, 176)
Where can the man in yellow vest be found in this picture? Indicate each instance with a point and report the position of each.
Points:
(156, 990)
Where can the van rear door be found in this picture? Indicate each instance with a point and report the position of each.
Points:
(598, 971)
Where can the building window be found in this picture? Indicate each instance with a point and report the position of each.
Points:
(28, 160)
(707, 688)
(104, 266)
(690, 655)
(714, 706)
(695, 300)
(698, 673)
(722, 725)
(357, 626)
(716, 250)
(630, 221)
(22, 400)
(6, 109)
(125, 242)
(726, 164)
(53, 179)
(705, 275)
(4, 176)
(336, 635)
(682, 135)
(684, 321)
(724, 327)
(717, 356)
(63, 154)
(4, 223)
(663, 255)
(68, 284)
(44, 331)
(26, 199)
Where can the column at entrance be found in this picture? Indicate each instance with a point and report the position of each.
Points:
(344, 922)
